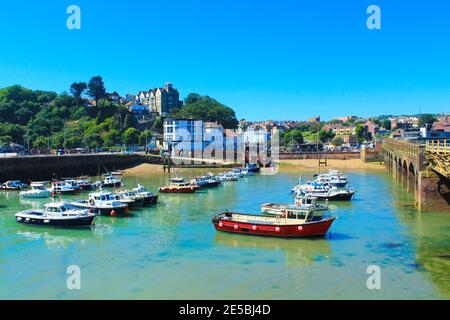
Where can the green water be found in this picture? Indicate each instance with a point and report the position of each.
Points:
(171, 251)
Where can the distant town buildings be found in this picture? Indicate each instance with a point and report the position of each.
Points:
(314, 119)
(162, 101)
(405, 123)
(347, 118)
(158, 101)
(439, 129)
(344, 132)
(370, 129)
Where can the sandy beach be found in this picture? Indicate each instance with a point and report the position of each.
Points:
(307, 164)
(144, 169)
(343, 165)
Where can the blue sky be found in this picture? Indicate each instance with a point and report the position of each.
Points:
(285, 59)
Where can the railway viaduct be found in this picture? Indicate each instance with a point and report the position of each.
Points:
(424, 167)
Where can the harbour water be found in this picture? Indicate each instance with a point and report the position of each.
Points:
(171, 250)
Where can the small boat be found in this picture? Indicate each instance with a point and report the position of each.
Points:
(56, 215)
(118, 173)
(38, 191)
(148, 197)
(111, 182)
(333, 194)
(205, 182)
(102, 203)
(237, 173)
(333, 178)
(128, 198)
(325, 192)
(177, 185)
(247, 172)
(295, 222)
(13, 186)
(62, 188)
(228, 177)
(252, 168)
(85, 184)
(72, 183)
(301, 202)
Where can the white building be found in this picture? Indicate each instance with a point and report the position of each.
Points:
(183, 137)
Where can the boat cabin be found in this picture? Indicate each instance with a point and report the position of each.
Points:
(102, 196)
(60, 209)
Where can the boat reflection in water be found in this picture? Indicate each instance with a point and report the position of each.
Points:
(57, 238)
(297, 252)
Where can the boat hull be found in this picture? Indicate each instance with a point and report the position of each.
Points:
(59, 223)
(177, 190)
(112, 185)
(312, 229)
(336, 197)
(87, 187)
(102, 211)
(211, 184)
(151, 200)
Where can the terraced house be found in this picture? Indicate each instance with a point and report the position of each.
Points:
(162, 101)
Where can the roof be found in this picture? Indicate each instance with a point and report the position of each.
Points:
(55, 204)
(213, 125)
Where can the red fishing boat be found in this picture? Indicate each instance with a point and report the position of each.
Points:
(177, 185)
(294, 222)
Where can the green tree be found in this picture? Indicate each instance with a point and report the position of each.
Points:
(359, 132)
(158, 125)
(130, 121)
(93, 141)
(96, 88)
(207, 109)
(5, 141)
(337, 142)
(292, 137)
(112, 138)
(145, 136)
(192, 98)
(40, 143)
(131, 136)
(386, 124)
(426, 120)
(77, 89)
(326, 136)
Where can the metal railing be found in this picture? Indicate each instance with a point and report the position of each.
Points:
(438, 145)
(400, 147)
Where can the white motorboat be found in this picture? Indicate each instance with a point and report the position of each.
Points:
(111, 182)
(38, 191)
(301, 202)
(148, 196)
(56, 215)
(63, 187)
(102, 203)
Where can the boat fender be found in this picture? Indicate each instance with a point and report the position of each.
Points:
(300, 228)
(92, 202)
(277, 229)
(125, 210)
(255, 228)
(113, 213)
(221, 225)
(236, 227)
